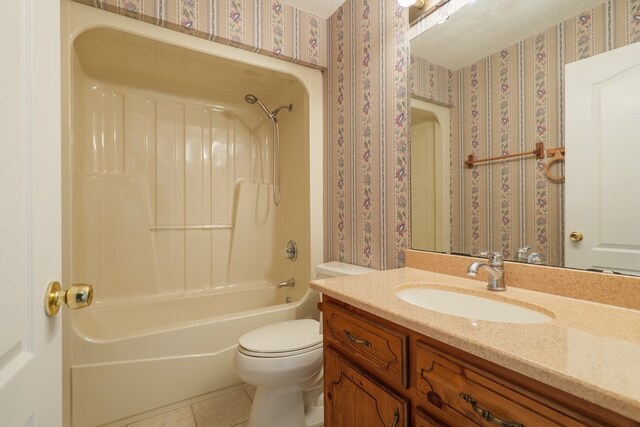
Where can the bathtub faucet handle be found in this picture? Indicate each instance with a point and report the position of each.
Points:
(291, 251)
(287, 284)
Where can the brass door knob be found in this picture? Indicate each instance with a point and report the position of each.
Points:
(77, 296)
(576, 236)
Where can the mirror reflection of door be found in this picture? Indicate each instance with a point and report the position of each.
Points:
(425, 130)
(429, 176)
(602, 176)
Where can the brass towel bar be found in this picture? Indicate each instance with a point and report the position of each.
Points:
(539, 153)
(554, 154)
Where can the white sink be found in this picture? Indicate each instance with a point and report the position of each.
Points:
(470, 306)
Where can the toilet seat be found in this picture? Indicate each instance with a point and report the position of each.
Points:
(279, 353)
(282, 339)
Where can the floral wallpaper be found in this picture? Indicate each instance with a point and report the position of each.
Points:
(506, 91)
(542, 111)
(506, 103)
(366, 176)
(432, 82)
(269, 27)
(399, 239)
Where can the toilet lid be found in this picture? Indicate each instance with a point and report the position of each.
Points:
(283, 337)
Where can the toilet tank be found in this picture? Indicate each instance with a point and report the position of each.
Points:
(336, 268)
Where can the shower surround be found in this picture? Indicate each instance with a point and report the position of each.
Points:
(170, 212)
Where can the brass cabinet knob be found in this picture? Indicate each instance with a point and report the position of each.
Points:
(77, 296)
(576, 236)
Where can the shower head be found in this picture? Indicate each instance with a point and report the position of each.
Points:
(252, 99)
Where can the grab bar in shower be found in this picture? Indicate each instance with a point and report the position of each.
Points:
(191, 227)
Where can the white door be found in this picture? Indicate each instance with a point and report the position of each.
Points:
(30, 243)
(602, 161)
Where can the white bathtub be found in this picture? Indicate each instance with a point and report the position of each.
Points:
(131, 358)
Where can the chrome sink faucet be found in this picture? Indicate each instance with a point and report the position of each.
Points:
(495, 268)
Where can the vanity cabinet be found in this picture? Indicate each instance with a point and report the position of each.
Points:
(378, 373)
(357, 398)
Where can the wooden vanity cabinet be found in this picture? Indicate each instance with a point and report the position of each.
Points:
(378, 373)
(356, 397)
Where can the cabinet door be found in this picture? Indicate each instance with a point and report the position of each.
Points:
(425, 420)
(353, 399)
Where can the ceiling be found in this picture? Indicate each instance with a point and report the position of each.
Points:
(484, 27)
(322, 8)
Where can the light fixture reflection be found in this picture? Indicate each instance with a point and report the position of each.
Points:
(409, 3)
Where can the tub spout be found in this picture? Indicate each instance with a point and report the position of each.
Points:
(287, 284)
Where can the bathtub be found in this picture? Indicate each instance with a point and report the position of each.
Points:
(157, 351)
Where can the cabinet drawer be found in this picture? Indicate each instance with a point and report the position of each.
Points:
(375, 346)
(463, 395)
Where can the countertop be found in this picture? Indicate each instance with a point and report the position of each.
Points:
(590, 350)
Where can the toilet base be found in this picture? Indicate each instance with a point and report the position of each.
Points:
(288, 406)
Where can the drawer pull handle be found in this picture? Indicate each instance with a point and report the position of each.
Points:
(396, 418)
(356, 340)
(486, 414)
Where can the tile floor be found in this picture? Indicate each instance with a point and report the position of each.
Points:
(227, 410)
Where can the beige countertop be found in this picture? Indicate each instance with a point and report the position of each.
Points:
(590, 350)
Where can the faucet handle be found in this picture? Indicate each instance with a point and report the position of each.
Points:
(496, 259)
(521, 253)
(535, 258)
(291, 251)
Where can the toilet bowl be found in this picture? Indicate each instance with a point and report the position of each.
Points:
(284, 362)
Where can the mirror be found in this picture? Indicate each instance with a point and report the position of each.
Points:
(502, 69)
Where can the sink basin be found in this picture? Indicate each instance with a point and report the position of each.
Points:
(470, 306)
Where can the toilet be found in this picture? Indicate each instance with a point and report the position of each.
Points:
(284, 361)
